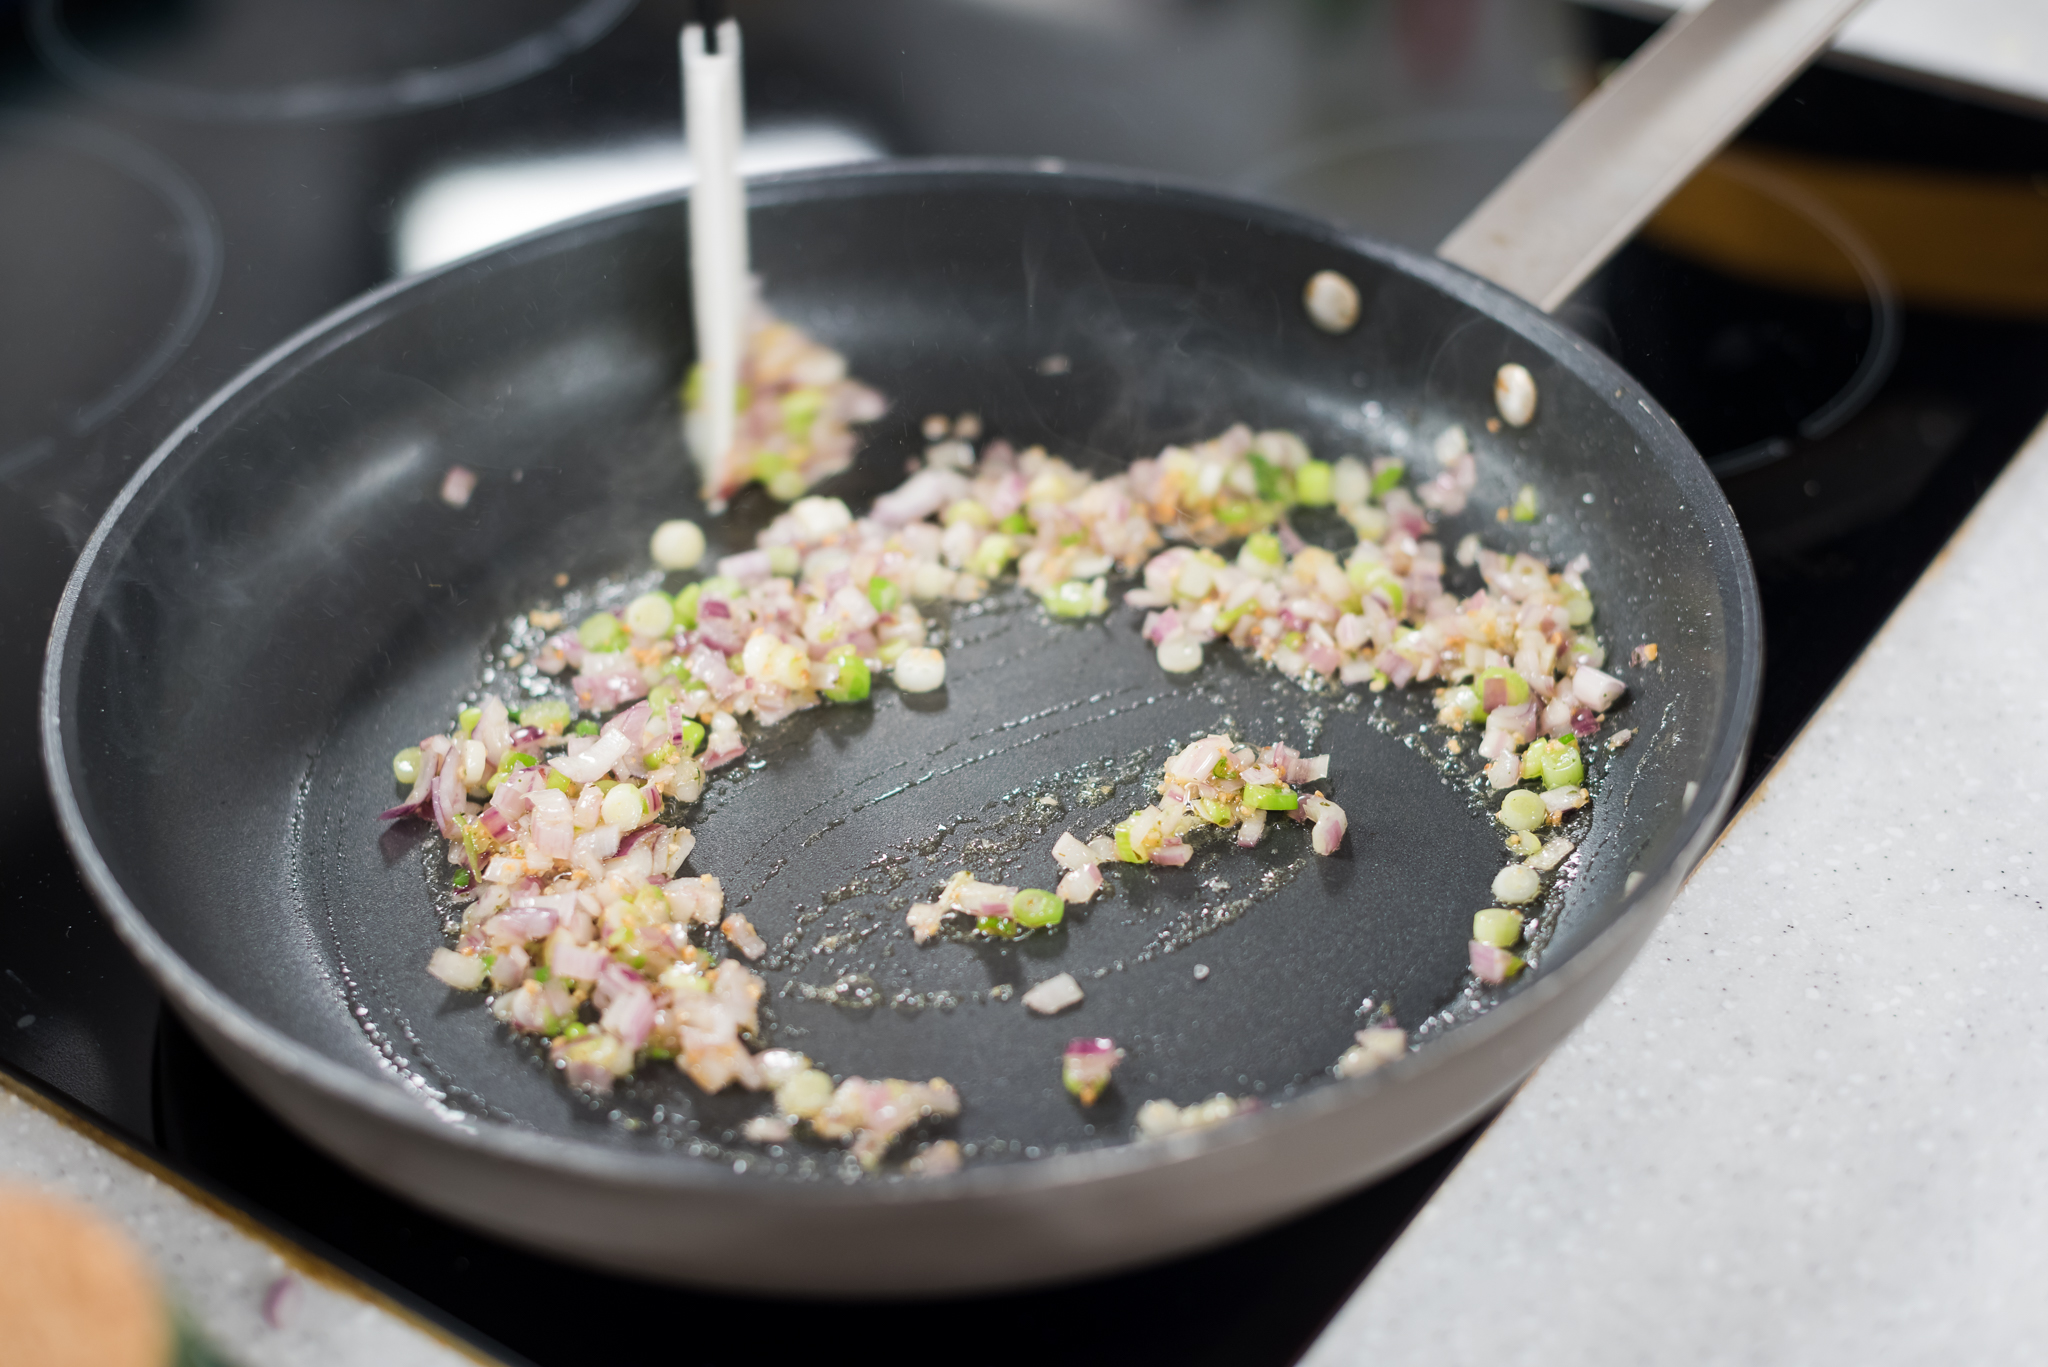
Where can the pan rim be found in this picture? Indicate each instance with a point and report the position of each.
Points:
(197, 996)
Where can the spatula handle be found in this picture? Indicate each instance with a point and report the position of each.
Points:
(1635, 140)
(713, 119)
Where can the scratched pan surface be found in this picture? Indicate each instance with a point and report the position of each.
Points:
(279, 601)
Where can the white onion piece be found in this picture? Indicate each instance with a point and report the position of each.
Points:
(1514, 394)
(1331, 301)
(1551, 855)
(1054, 995)
(1597, 690)
(1180, 654)
(458, 485)
(744, 937)
(924, 920)
(1515, 886)
(596, 761)
(1564, 799)
(677, 545)
(921, 670)
(1071, 854)
(464, 972)
(1081, 885)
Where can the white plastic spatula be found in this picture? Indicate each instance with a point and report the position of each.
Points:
(719, 266)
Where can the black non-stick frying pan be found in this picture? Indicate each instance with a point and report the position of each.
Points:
(279, 600)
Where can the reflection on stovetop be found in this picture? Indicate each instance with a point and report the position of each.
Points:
(183, 183)
(1256, 1301)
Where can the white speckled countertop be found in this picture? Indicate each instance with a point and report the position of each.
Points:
(217, 1267)
(1811, 1123)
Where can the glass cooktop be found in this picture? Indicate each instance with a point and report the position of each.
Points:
(1845, 312)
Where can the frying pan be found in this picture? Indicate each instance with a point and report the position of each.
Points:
(278, 600)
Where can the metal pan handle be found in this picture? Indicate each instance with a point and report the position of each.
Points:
(1635, 140)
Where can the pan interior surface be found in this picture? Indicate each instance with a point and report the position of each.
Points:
(283, 601)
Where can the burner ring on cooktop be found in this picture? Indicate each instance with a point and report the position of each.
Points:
(200, 238)
(347, 98)
(1879, 354)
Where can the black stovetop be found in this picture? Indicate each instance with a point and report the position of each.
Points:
(185, 182)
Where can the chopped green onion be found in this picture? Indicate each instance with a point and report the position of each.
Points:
(490, 961)
(514, 759)
(884, 594)
(1562, 766)
(1532, 759)
(1315, 484)
(1578, 607)
(467, 718)
(1497, 926)
(651, 614)
(783, 560)
(659, 1054)
(989, 558)
(561, 782)
(1262, 546)
(540, 973)
(1370, 577)
(787, 487)
(1073, 598)
(1522, 810)
(1390, 475)
(1215, 811)
(1525, 504)
(1271, 797)
(1000, 926)
(1034, 908)
(1124, 849)
(1524, 843)
(1016, 524)
(601, 632)
(1514, 688)
(405, 765)
(575, 1030)
(551, 715)
(1463, 702)
(686, 605)
(800, 409)
(463, 878)
(854, 681)
(587, 727)
(966, 510)
(1273, 483)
